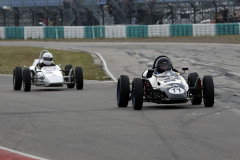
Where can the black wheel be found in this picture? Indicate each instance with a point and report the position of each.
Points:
(17, 78)
(79, 78)
(196, 94)
(123, 91)
(67, 71)
(137, 93)
(208, 91)
(26, 79)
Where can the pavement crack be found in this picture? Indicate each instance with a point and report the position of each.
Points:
(161, 137)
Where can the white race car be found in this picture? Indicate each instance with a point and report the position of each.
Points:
(167, 87)
(47, 76)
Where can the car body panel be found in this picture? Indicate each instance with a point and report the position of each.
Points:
(169, 83)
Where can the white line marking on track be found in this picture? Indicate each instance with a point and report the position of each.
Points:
(103, 61)
(105, 66)
(7, 75)
(21, 153)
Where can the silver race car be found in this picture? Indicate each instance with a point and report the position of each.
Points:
(162, 84)
(49, 75)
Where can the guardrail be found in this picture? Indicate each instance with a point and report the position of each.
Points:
(119, 31)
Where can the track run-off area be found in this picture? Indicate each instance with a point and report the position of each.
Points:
(68, 124)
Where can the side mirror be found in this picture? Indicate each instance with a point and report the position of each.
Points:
(185, 69)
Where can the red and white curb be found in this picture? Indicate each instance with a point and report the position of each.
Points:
(10, 154)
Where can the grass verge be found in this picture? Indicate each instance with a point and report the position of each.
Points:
(20, 56)
(224, 39)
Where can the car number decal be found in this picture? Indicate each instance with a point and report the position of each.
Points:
(176, 90)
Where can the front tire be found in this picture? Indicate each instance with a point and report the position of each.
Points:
(67, 71)
(26, 80)
(137, 94)
(208, 91)
(79, 78)
(197, 94)
(17, 78)
(123, 91)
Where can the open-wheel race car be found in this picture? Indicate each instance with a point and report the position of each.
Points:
(163, 84)
(44, 72)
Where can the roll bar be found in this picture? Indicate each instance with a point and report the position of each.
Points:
(157, 60)
(41, 53)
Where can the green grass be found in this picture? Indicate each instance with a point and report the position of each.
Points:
(224, 39)
(20, 56)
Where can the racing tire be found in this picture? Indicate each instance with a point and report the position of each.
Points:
(26, 80)
(137, 94)
(67, 71)
(208, 91)
(123, 91)
(197, 95)
(17, 78)
(79, 78)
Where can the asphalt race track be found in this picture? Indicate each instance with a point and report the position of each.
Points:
(66, 124)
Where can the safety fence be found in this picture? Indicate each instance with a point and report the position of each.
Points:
(121, 31)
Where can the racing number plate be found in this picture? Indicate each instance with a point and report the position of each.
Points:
(176, 90)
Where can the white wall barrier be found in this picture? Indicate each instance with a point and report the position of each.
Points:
(2, 33)
(34, 32)
(115, 31)
(204, 29)
(159, 30)
(73, 32)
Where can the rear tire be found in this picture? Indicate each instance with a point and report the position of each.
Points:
(67, 71)
(137, 94)
(79, 78)
(17, 78)
(197, 94)
(123, 91)
(26, 80)
(208, 91)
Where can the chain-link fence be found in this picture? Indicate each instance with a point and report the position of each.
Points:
(111, 12)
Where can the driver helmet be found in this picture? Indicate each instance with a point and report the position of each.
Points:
(164, 64)
(47, 58)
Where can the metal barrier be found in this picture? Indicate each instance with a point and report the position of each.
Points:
(119, 31)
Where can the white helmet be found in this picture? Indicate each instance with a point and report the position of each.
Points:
(47, 58)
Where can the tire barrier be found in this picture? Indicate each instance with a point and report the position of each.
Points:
(14, 32)
(227, 29)
(34, 33)
(54, 32)
(74, 32)
(204, 30)
(178, 30)
(119, 31)
(2, 33)
(93, 32)
(137, 31)
(115, 31)
(159, 30)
